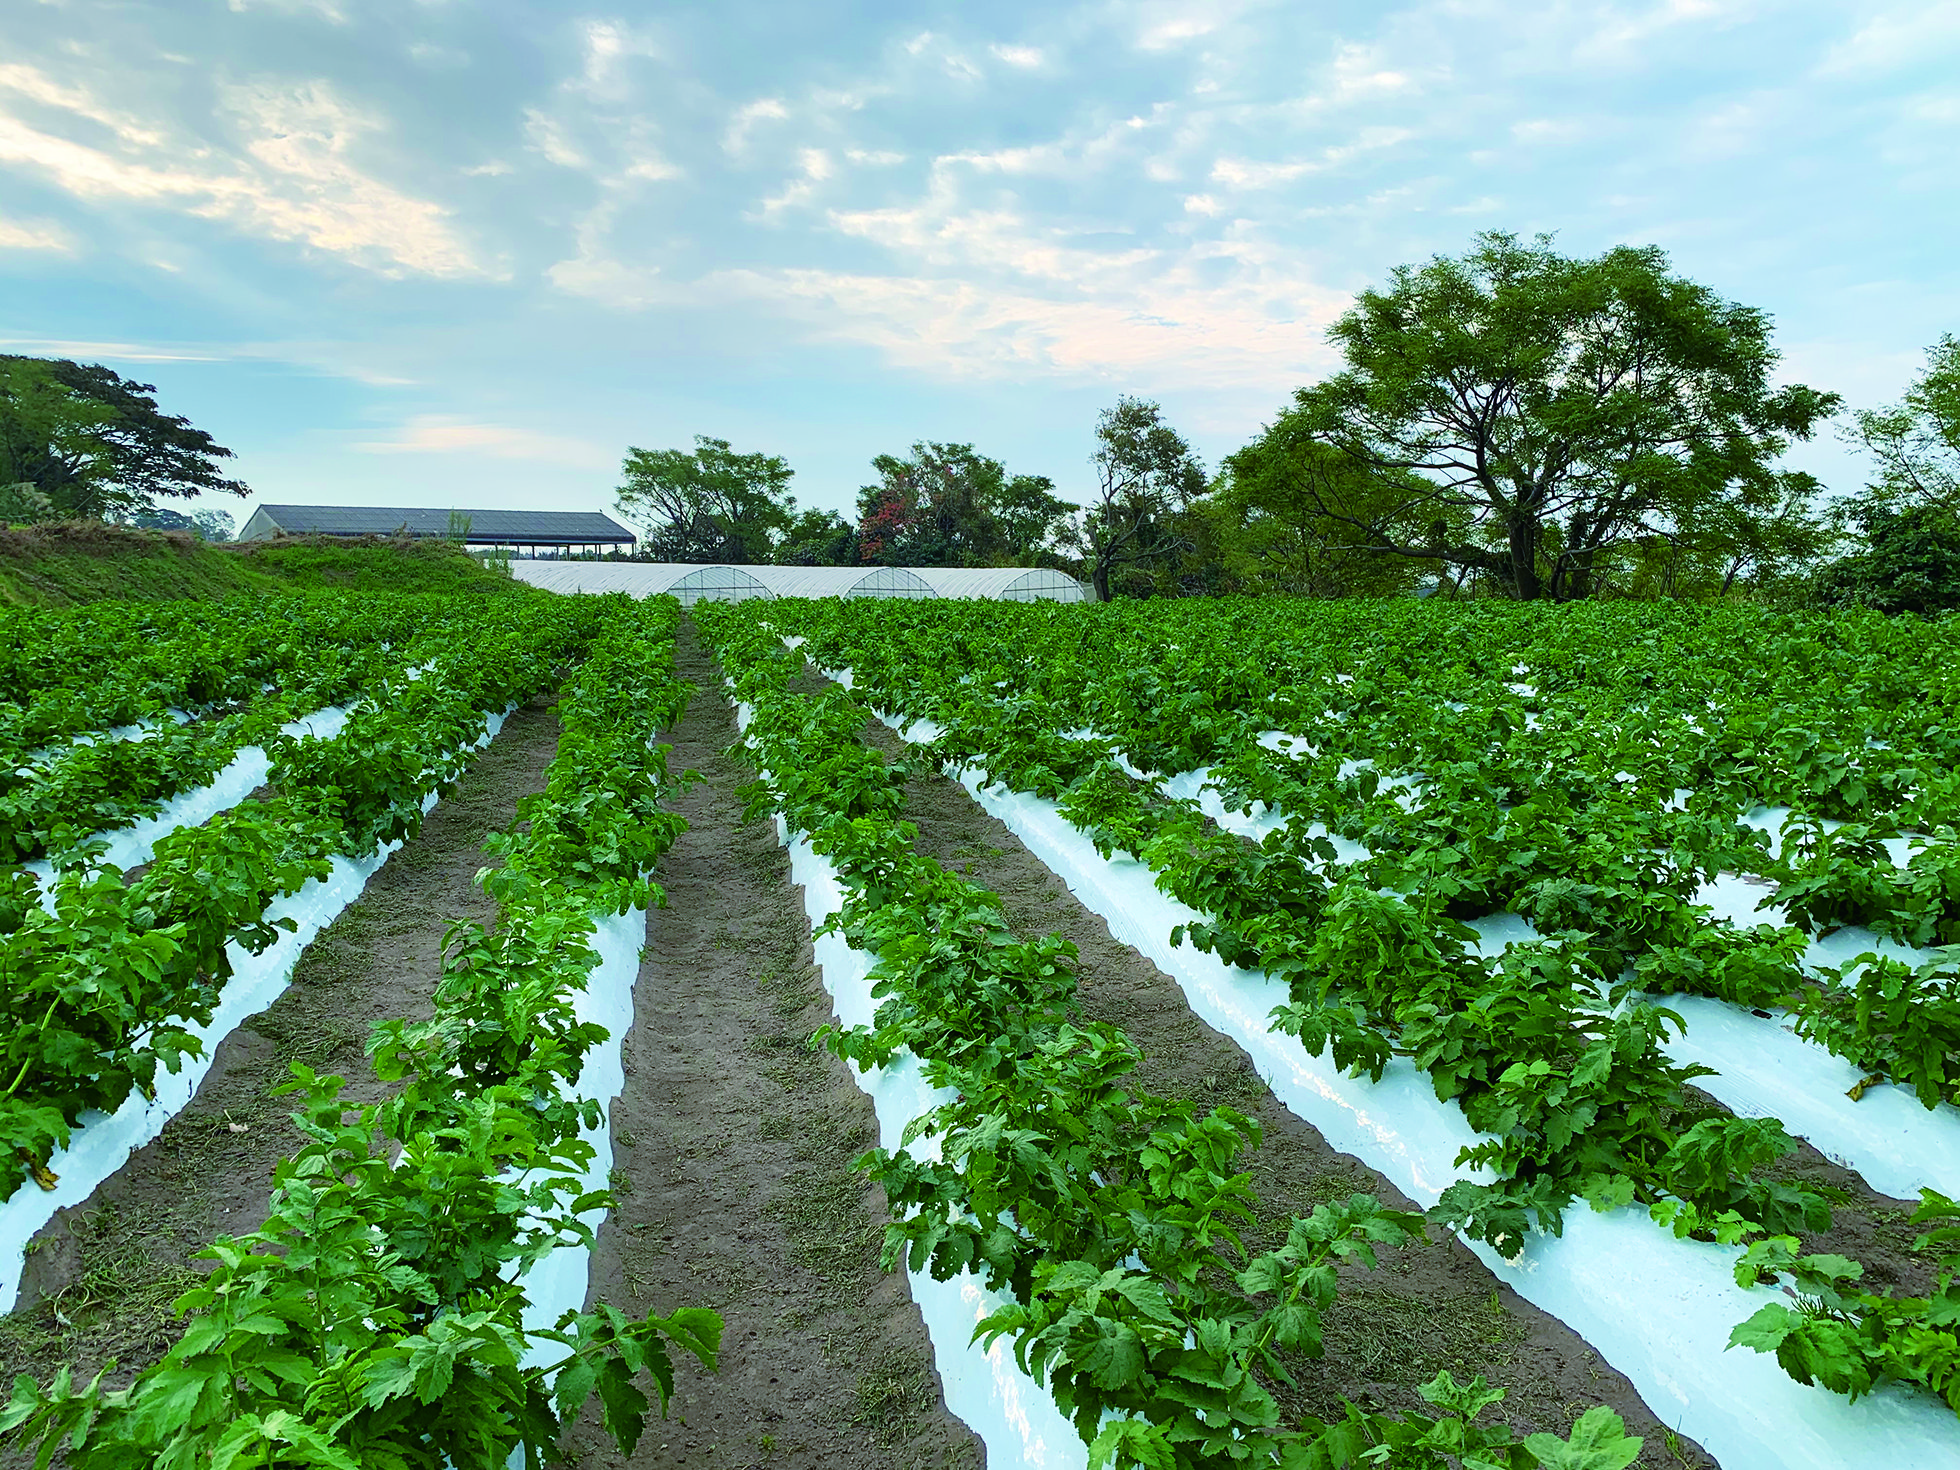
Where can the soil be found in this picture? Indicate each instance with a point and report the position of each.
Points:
(101, 1275)
(1427, 1307)
(733, 1141)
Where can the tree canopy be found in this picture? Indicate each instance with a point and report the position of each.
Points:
(1917, 441)
(1275, 532)
(1547, 414)
(948, 505)
(708, 504)
(1147, 477)
(94, 444)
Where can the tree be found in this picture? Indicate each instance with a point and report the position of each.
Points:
(1911, 563)
(1557, 410)
(1756, 541)
(51, 441)
(709, 505)
(206, 525)
(96, 444)
(1274, 529)
(1917, 442)
(818, 538)
(1147, 476)
(1032, 518)
(948, 505)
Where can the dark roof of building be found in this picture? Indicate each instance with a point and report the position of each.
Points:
(523, 526)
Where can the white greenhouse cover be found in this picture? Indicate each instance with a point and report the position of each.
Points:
(691, 581)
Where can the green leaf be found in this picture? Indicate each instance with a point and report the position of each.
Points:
(1598, 1441)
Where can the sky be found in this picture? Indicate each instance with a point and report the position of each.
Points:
(463, 253)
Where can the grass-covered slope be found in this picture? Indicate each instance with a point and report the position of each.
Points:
(59, 565)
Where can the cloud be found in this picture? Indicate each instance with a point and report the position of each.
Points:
(328, 10)
(763, 109)
(112, 351)
(1156, 338)
(437, 434)
(814, 167)
(1025, 57)
(35, 235)
(1892, 41)
(288, 173)
(1242, 173)
(608, 46)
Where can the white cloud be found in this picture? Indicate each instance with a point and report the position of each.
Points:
(1026, 57)
(113, 351)
(1176, 30)
(1159, 338)
(1203, 204)
(1619, 33)
(1548, 130)
(35, 235)
(37, 86)
(1888, 42)
(1359, 72)
(814, 167)
(874, 158)
(288, 173)
(763, 109)
(437, 434)
(609, 45)
(326, 9)
(1242, 173)
(549, 136)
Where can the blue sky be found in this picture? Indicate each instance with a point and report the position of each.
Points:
(464, 252)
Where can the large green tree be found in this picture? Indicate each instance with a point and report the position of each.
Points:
(95, 444)
(708, 504)
(1917, 440)
(949, 505)
(1551, 412)
(818, 538)
(1274, 530)
(1147, 478)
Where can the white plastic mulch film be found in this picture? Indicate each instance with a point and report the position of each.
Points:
(1763, 1069)
(101, 1143)
(1015, 1417)
(1658, 1309)
(559, 1282)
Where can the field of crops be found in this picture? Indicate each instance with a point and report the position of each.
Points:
(1612, 936)
(401, 1303)
(1294, 1033)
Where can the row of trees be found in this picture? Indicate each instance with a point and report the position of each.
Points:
(1511, 422)
(940, 505)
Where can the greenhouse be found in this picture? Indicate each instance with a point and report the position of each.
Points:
(693, 582)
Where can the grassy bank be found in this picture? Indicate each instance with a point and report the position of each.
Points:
(58, 566)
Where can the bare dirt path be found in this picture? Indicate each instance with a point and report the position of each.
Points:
(101, 1276)
(1428, 1307)
(734, 1141)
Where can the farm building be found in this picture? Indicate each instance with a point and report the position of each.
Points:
(693, 583)
(518, 530)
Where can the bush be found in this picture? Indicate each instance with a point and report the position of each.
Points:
(1911, 564)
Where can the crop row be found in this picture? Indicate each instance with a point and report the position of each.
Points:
(1589, 813)
(330, 653)
(80, 671)
(378, 1317)
(1111, 1217)
(99, 975)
